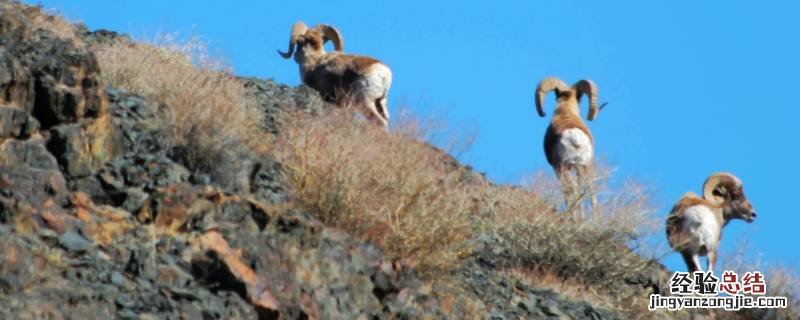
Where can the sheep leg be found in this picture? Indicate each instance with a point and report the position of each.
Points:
(712, 259)
(563, 178)
(585, 176)
(381, 108)
(692, 261)
(369, 109)
(571, 198)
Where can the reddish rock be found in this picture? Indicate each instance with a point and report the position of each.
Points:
(255, 284)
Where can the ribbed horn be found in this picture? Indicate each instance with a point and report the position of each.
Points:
(713, 181)
(588, 88)
(544, 87)
(298, 29)
(332, 34)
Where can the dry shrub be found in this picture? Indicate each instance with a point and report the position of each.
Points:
(213, 121)
(396, 191)
(434, 129)
(781, 281)
(595, 250)
(589, 259)
(545, 278)
(391, 189)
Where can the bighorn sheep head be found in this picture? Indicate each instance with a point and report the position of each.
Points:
(567, 96)
(312, 40)
(726, 191)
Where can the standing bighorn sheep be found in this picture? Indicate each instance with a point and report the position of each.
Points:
(340, 78)
(568, 143)
(694, 226)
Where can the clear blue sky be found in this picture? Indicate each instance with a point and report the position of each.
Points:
(693, 87)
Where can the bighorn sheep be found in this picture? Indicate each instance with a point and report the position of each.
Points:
(694, 226)
(568, 143)
(340, 78)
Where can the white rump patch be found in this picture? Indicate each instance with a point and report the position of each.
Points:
(375, 82)
(701, 228)
(574, 147)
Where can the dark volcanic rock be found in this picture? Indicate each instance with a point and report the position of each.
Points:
(29, 181)
(73, 241)
(275, 99)
(16, 81)
(266, 181)
(16, 123)
(507, 298)
(66, 80)
(101, 36)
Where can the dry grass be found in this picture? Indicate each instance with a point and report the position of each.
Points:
(595, 250)
(40, 18)
(390, 189)
(630, 304)
(547, 278)
(782, 281)
(588, 259)
(396, 191)
(212, 121)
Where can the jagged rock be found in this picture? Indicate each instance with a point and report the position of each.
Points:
(16, 123)
(255, 285)
(73, 241)
(267, 181)
(16, 81)
(527, 302)
(20, 267)
(101, 36)
(142, 165)
(66, 80)
(276, 99)
(29, 182)
(81, 149)
(140, 123)
(29, 153)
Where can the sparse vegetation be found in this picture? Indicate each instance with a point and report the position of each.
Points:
(390, 189)
(594, 251)
(213, 122)
(782, 281)
(399, 192)
(40, 18)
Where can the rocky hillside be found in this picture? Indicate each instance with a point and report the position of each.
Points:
(101, 215)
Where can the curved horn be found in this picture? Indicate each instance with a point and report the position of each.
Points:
(588, 88)
(298, 29)
(544, 87)
(713, 181)
(332, 34)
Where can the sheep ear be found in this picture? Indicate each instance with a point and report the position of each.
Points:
(719, 195)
